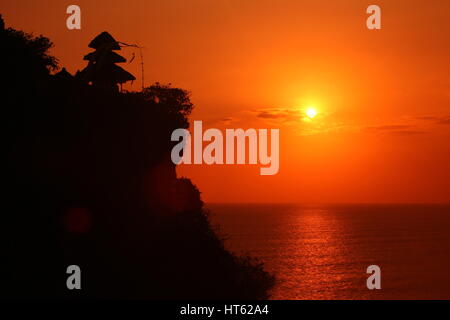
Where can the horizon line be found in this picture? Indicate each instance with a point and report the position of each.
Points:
(328, 203)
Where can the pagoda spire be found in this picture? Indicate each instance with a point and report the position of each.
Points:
(102, 70)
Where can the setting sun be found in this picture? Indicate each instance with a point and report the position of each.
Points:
(311, 113)
(293, 150)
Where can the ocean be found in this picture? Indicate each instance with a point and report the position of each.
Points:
(323, 251)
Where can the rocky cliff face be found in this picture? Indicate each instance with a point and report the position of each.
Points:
(90, 182)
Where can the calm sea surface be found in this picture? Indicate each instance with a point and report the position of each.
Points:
(322, 252)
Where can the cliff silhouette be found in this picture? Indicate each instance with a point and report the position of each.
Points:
(89, 181)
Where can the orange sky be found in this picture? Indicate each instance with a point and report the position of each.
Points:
(383, 129)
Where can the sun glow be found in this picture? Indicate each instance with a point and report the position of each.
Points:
(311, 112)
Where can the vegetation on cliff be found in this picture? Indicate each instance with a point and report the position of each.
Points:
(89, 181)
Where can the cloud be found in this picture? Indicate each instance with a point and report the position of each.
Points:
(220, 122)
(294, 118)
(390, 127)
(268, 115)
(227, 120)
(408, 132)
(396, 129)
(282, 114)
(444, 120)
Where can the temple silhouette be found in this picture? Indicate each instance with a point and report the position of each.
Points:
(102, 70)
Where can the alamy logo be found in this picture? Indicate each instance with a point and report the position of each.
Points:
(74, 20)
(374, 20)
(74, 280)
(218, 152)
(374, 281)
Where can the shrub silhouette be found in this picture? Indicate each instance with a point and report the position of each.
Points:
(89, 182)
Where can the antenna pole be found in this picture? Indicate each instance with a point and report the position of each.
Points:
(142, 58)
(142, 68)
